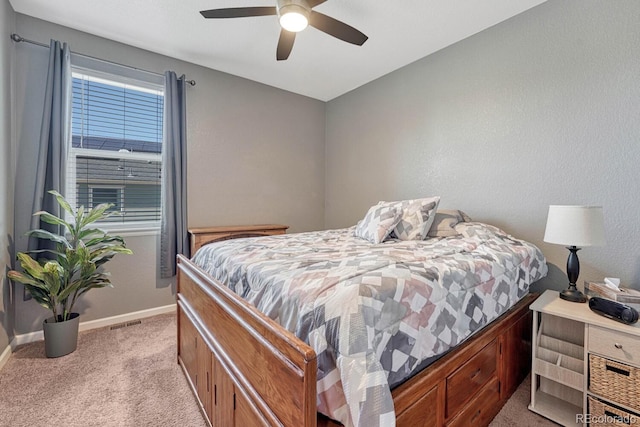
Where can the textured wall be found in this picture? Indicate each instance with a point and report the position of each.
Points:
(256, 155)
(7, 18)
(541, 109)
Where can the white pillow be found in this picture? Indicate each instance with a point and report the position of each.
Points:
(417, 217)
(378, 223)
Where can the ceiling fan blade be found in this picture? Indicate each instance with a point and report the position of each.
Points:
(285, 44)
(337, 29)
(314, 3)
(239, 12)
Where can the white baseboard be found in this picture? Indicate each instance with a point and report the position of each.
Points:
(127, 317)
(26, 338)
(95, 324)
(4, 357)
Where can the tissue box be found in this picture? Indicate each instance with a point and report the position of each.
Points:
(630, 297)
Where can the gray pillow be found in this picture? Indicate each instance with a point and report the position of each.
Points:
(378, 223)
(417, 217)
(445, 222)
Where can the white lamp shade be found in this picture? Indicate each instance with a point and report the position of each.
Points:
(575, 226)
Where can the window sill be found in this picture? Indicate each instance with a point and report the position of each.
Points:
(139, 229)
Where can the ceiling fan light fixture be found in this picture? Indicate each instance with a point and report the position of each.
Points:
(293, 17)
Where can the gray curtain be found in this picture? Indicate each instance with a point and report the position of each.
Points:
(51, 163)
(174, 238)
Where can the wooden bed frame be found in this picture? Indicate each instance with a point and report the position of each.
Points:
(246, 370)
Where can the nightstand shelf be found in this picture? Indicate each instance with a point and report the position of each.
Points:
(566, 334)
(555, 409)
(553, 365)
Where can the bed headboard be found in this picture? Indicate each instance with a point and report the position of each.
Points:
(203, 235)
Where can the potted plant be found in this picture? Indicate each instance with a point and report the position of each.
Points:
(74, 269)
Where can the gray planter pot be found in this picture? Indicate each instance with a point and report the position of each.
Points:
(61, 338)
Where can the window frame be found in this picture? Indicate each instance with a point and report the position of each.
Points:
(120, 75)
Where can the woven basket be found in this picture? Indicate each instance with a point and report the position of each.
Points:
(603, 415)
(615, 381)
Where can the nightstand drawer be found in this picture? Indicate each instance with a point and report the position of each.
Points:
(614, 344)
(604, 415)
(615, 381)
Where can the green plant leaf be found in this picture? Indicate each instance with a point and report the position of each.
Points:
(26, 280)
(95, 286)
(62, 201)
(73, 287)
(42, 297)
(80, 216)
(51, 251)
(101, 256)
(90, 232)
(30, 266)
(81, 286)
(107, 241)
(47, 235)
(51, 219)
(53, 277)
(96, 213)
(37, 288)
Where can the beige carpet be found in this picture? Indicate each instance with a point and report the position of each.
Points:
(120, 377)
(515, 412)
(129, 377)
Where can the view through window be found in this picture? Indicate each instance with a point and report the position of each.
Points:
(116, 145)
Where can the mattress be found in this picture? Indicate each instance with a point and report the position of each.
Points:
(376, 313)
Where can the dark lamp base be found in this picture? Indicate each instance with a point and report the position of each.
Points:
(573, 295)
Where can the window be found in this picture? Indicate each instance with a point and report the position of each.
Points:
(103, 194)
(116, 145)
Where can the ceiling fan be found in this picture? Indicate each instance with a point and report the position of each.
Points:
(294, 16)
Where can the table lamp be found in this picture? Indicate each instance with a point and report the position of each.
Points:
(575, 227)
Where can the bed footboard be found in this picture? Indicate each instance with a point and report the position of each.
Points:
(244, 368)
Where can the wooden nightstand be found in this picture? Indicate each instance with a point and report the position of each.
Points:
(577, 354)
(202, 236)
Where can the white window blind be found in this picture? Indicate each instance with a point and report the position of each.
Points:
(116, 144)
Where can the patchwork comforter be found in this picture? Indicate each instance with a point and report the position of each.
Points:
(375, 313)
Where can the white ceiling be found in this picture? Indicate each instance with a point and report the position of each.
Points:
(320, 66)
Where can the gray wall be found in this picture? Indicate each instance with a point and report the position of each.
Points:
(7, 18)
(256, 155)
(541, 109)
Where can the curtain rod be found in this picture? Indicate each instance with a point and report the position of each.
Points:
(18, 39)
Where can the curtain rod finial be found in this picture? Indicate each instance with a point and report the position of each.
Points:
(16, 38)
